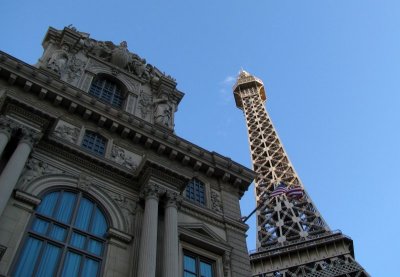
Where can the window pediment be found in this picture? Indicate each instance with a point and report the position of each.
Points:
(202, 236)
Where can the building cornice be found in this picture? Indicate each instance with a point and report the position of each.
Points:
(76, 101)
(210, 216)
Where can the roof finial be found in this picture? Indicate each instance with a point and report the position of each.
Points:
(243, 73)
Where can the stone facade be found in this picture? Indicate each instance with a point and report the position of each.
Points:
(50, 125)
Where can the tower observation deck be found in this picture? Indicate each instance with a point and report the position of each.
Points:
(292, 237)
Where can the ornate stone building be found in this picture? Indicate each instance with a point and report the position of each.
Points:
(93, 179)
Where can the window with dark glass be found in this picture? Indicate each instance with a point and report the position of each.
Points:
(94, 142)
(197, 266)
(195, 191)
(66, 238)
(107, 91)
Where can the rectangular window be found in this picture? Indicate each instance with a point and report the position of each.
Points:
(195, 191)
(197, 266)
(94, 142)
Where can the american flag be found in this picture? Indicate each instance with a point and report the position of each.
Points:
(281, 189)
(293, 193)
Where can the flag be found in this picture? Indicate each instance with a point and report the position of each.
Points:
(295, 192)
(281, 189)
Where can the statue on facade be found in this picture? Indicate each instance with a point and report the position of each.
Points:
(59, 59)
(163, 110)
(120, 55)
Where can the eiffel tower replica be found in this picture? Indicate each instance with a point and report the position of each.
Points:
(292, 237)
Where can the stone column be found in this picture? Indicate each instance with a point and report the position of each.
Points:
(171, 251)
(14, 167)
(148, 239)
(6, 127)
(5, 134)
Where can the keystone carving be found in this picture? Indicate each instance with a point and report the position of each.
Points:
(84, 182)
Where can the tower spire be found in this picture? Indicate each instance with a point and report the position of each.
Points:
(286, 215)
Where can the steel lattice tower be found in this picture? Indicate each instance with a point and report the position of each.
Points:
(292, 237)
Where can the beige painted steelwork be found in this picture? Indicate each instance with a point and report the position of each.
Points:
(292, 237)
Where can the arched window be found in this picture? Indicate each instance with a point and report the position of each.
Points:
(94, 142)
(196, 191)
(66, 238)
(107, 91)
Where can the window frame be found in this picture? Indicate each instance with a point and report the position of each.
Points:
(70, 228)
(97, 136)
(198, 260)
(101, 91)
(188, 190)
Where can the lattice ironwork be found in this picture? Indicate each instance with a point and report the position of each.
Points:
(284, 223)
(279, 219)
(342, 266)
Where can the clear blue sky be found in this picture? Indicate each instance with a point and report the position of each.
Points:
(331, 70)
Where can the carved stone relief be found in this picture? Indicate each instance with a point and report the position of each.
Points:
(75, 69)
(125, 158)
(59, 60)
(145, 105)
(35, 168)
(67, 64)
(77, 58)
(66, 131)
(216, 203)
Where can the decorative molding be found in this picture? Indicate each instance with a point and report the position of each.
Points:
(85, 161)
(119, 235)
(171, 142)
(27, 116)
(209, 216)
(202, 236)
(169, 177)
(27, 198)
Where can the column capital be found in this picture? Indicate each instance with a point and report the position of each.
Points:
(152, 191)
(173, 199)
(30, 136)
(7, 126)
